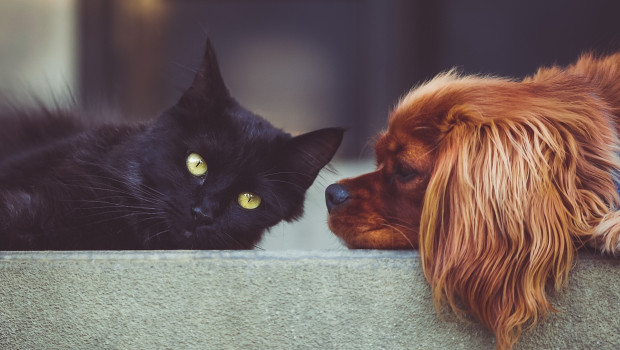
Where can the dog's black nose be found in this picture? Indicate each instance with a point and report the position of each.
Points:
(335, 195)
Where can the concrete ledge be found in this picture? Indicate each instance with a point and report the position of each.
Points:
(268, 300)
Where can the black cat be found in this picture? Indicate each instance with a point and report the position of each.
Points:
(206, 174)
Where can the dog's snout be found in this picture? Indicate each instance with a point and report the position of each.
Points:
(335, 195)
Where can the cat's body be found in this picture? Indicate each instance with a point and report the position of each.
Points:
(206, 174)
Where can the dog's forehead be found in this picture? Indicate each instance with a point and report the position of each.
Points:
(407, 128)
(399, 143)
(419, 119)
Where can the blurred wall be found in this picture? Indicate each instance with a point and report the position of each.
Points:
(37, 51)
(301, 64)
(309, 64)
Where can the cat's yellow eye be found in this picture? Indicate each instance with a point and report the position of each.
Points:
(248, 200)
(196, 165)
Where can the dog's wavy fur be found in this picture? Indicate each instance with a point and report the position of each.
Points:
(514, 176)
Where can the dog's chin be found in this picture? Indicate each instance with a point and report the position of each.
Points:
(356, 237)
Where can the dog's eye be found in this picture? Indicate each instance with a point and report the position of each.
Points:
(404, 173)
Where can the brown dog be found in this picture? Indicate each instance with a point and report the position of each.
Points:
(497, 183)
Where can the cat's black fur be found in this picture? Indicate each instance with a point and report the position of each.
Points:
(66, 184)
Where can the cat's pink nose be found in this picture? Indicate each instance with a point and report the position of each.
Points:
(202, 216)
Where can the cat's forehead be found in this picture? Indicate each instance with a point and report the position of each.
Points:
(253, 126)
(227, 136)
(239, 144)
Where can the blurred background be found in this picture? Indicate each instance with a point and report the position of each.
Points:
(301, 64)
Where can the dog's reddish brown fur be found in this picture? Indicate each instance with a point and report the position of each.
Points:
(497, 183)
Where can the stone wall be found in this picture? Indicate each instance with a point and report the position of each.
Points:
(269, 300)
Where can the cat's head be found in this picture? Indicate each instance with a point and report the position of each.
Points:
(221, 175)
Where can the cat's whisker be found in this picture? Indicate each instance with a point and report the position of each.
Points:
(273, 197)
(157, 224)
(149, 189)
(111, 214)
(142, 188)
(287, 173)
(150, 237)
(225, 242)
(147, 198)
(154, 226)
(289, 183)
(108, 220)
(121, 194)
(113, 205)
(106, 211)
(128, 196)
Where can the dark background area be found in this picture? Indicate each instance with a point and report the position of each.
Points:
(309, 64)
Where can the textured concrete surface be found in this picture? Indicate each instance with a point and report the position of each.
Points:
(269, 300)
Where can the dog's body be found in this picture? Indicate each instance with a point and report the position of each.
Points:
(497, 183)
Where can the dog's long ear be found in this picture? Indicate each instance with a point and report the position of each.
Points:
(504, 199)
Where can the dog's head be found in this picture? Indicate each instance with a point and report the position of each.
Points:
(382, 209)
(494, 181)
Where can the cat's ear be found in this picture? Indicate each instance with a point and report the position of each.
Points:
(307, 154)
(208, 85)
